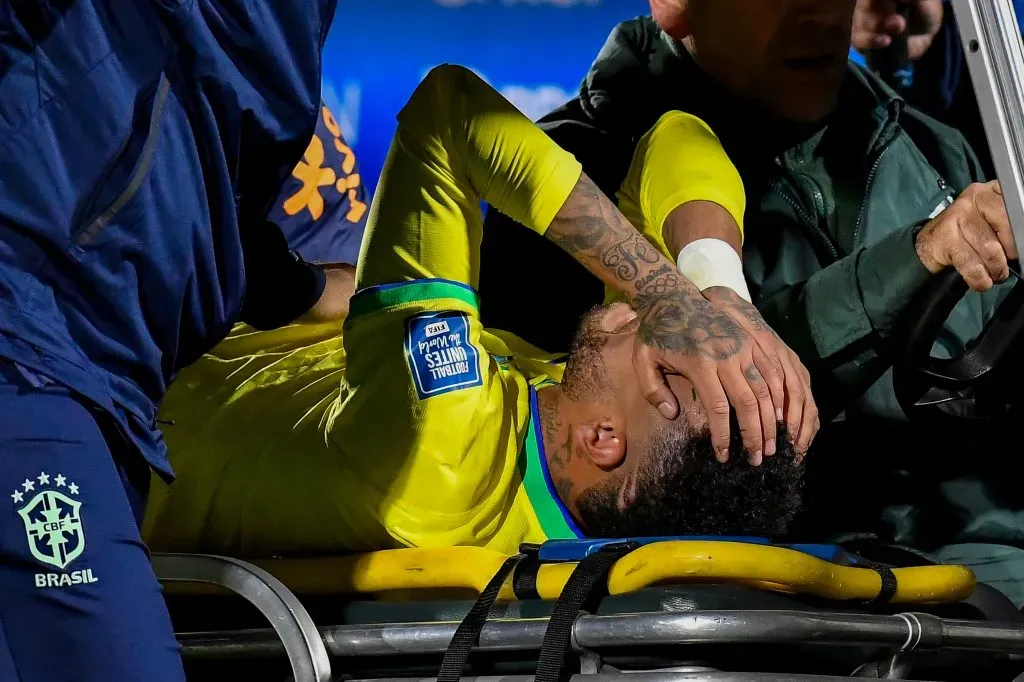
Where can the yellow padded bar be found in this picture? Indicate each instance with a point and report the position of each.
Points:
(672, 562)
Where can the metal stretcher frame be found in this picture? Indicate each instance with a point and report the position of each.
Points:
(681, 676)
(904, 632)
(292, 625)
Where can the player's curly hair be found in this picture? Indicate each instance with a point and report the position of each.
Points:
(683, 490)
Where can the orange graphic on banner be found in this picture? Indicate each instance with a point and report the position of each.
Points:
(311, 173)
(329, 121)
(350, 158)
(314, 175)
(356, 208)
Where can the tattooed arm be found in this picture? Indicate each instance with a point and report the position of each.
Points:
(787, 378)
(458, 141)
(680, 330)
(682, 188)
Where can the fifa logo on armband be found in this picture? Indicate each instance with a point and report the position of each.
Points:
(51, 514)
(435, 328)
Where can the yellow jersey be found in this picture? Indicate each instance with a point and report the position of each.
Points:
(677, 161)
(420, 428)
(430, 439)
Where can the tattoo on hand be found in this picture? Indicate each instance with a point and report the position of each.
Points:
(750, 314)
(729, 300)
(679, 323)
(750, 373)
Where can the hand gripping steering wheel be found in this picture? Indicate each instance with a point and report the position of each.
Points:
(984, 375)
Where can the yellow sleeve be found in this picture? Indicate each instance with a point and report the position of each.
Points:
(427, 430)
(679, 160)
(458, 142)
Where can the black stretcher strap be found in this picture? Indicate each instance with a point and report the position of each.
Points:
(889, 583)
(879, 557)
(467, 635)
(524, 578)
(584, 590)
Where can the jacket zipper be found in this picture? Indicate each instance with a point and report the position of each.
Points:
(97, 224)
(869, 185)
(793, 201)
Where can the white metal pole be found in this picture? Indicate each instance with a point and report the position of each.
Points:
(995, 56)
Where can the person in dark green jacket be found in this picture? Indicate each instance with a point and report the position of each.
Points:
(852, 206)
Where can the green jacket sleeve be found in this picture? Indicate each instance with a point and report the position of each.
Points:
(839, 321)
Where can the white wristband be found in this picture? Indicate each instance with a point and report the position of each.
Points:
(713, 263)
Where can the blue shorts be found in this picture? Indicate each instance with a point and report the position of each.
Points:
(79, 600)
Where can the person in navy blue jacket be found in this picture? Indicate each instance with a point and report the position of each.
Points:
(143, 144)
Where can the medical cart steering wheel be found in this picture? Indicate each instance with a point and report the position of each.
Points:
(983, 378)
(983, 381)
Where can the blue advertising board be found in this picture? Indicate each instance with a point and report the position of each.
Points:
(535, 52)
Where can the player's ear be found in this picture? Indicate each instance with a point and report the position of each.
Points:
(671, 16)
(603, 441)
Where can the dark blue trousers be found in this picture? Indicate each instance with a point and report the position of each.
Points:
(78, 598)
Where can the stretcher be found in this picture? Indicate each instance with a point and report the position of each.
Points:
(650, 610)
(678, 606)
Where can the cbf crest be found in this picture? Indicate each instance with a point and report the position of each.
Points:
(52, 518)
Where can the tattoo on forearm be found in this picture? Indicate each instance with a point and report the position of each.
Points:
(592, 230)
(674, 316)
(660, 281)
(625, 257)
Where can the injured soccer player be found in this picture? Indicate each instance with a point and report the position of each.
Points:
(439, 432)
